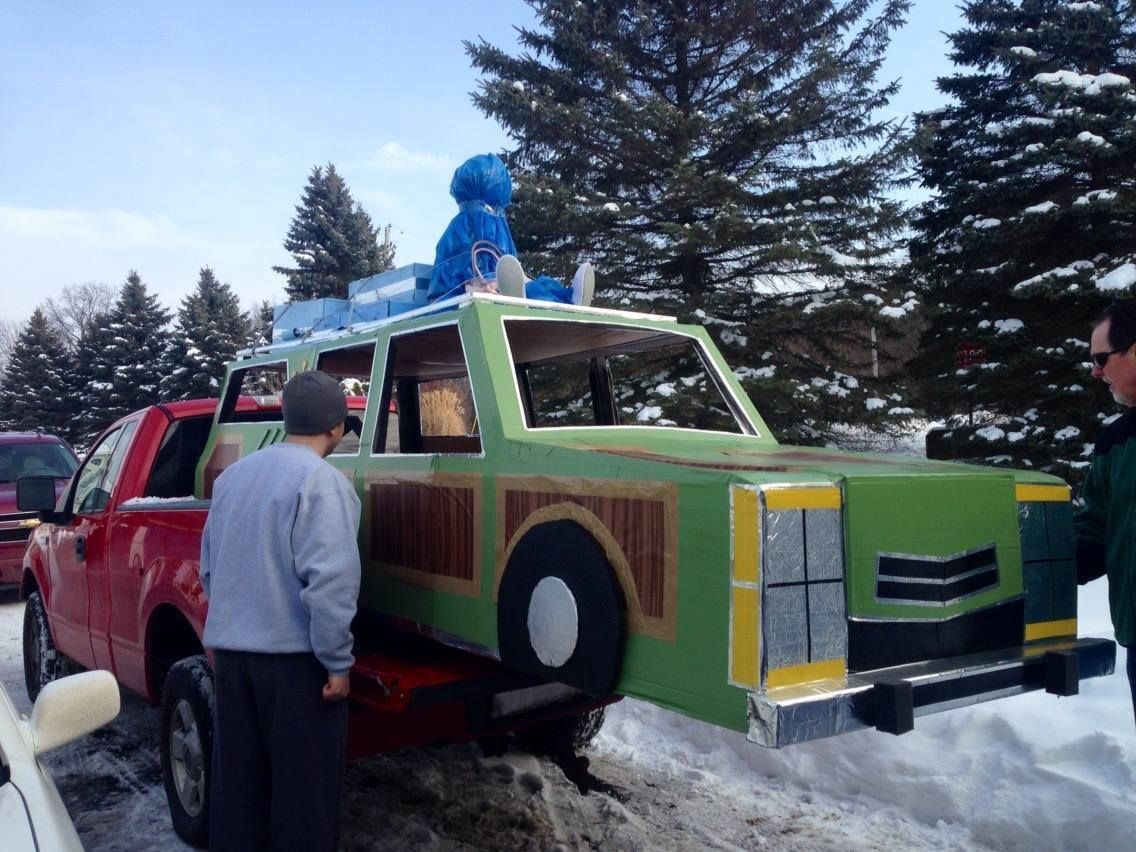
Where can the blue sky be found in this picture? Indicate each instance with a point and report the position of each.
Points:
(166, 137)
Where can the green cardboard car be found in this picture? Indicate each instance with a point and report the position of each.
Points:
(590, 496)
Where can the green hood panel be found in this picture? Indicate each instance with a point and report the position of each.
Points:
(922, 522)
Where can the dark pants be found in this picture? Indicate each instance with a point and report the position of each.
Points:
(278, 754)
(1131, 654)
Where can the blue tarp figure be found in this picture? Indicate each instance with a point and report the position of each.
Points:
(480, 234)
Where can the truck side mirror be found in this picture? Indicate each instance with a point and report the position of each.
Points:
(35, 494)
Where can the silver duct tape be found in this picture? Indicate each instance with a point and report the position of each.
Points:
(783, 550)
(553, 622)
(785, 627)
(803, 547)
(824, 544)
(828, 630)
(775, 725)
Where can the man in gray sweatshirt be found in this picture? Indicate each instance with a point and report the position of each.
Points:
(280, 566)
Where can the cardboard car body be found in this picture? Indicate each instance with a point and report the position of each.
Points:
(590, 496)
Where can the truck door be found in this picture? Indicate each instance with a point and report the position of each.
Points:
(78, 564)
(151, 534)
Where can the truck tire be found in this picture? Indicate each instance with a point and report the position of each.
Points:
(42, 662)
(559, 609)
(570, 734)
(186, 747)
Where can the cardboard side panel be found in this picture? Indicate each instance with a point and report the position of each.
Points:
(426, 529)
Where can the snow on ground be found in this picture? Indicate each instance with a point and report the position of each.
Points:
(1031, 773)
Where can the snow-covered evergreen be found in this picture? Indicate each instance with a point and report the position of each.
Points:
(258, 322)
(209, 330)
(721, 161)
(31, 392)
(1032, 228)
(331, 239)
(120, 358)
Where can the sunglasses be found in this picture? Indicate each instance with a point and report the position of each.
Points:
(1101, 358)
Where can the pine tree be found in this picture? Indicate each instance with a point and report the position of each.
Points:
(720, 161)
(332, 240)
(209, 330)
(258, 321)
(85, 422)
(31, 394)
(122, 358)
(1032, 228)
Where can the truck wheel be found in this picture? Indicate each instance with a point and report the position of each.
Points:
(186, 746)
(571, 734)
(42, 662)
(559, 609)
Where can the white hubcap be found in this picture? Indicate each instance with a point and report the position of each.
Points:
(553, 622)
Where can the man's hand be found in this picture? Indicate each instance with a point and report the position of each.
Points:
(337, 687)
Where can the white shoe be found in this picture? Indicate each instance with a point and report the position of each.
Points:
(583, 285)
(511, 277)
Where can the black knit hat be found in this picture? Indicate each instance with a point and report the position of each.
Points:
(313, 404)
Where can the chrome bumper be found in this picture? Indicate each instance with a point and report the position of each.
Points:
(890, 699)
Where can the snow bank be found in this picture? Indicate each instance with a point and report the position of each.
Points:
(1032, 772)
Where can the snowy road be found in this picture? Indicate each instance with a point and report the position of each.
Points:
(1030, 773)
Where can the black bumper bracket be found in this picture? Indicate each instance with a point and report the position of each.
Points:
(895, 706)
(1061, 673)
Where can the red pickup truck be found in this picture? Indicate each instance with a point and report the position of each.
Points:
(111, 582)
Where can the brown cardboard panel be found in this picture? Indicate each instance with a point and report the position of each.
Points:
(226, 452)
(425, 529)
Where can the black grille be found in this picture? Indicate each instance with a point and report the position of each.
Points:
(879, 644)
(18, 534)
(18, 516)
(932, 581)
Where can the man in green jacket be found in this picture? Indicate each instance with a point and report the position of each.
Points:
(1106, 526)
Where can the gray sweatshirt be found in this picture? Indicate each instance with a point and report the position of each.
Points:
(280, 557)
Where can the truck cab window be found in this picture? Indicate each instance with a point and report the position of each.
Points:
(100, 471)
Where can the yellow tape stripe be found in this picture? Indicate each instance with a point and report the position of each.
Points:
(743, 636)
(745, 535)
(777, 499)
(804, 673)
(1043, 493)
(1049, 629)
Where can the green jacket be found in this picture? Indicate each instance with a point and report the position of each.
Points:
(1106, 526)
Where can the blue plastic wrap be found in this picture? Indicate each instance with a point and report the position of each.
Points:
(483, 189)
(546, 289)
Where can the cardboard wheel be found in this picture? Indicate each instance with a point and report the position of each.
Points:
(559, 609)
